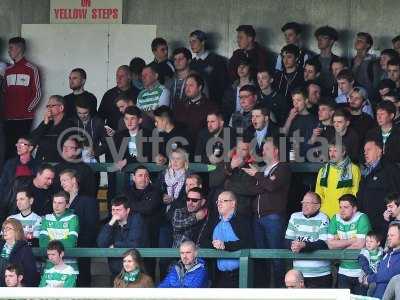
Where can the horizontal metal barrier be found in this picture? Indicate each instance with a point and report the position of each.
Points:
(245, 256)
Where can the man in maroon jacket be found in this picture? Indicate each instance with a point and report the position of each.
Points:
(269, 207)
(21, 94)
(248, 48)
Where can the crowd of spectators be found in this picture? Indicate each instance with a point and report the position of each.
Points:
(249, 117)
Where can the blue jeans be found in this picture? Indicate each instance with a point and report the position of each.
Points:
(269, 234)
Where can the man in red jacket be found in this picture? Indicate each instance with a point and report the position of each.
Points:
(21, 94)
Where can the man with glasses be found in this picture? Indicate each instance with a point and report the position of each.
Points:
(20, 166)
(51, 131)
(307, 231)
(189, 222)
(231, 233)
(71, 160)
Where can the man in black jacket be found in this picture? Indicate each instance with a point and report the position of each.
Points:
(172, 136)
(379, 178)
(209, 65)
(90, 128)
(77, 80)
(291, 77)
(217, 138)
(71, 160)
(145, 199)
(260, 130)
(52, 131)
(386, 133)
(108, 111)
(231, 232)
(229, 175)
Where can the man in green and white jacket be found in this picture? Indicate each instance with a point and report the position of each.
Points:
(307, 231)
(154, 94)
(61, 225)
(57, 273)
(348, 230)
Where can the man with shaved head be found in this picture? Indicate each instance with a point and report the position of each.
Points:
(231, 232)
(189, 272)
(294, 279)
(108, 110)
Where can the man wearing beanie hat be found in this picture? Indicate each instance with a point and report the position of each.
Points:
(249, 48)
(209, 65)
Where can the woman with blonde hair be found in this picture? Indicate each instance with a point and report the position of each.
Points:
(15, 249)
(133, 274)
(172, 185)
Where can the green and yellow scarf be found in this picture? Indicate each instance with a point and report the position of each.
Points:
(346, 175)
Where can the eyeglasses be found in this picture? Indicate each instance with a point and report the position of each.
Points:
(5, 229)
(22, 144)
(69, 147)
(223, 201)
(308, 203)
(194, 200)
(52, 105)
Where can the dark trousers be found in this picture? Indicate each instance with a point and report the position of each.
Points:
(269, 233)
(321, 282)
(14, 129)
(165, 241)
(346, 282)
(85, 276)
(227, 279)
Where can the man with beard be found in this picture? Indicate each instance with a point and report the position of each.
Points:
(348, 230)
(360, 121)
(77, 80)
(215, 134)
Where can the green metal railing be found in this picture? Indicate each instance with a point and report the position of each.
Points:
(193, 167)
(246, 256)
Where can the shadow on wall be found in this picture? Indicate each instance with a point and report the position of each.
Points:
(346, 40)
(263, 35)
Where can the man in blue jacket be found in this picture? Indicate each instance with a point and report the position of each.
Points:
(189, 272)
(125, 230)
(390, 264)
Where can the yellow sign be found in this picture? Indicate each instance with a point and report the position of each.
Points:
(86, 11)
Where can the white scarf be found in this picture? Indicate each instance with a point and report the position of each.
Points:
(175, 180)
